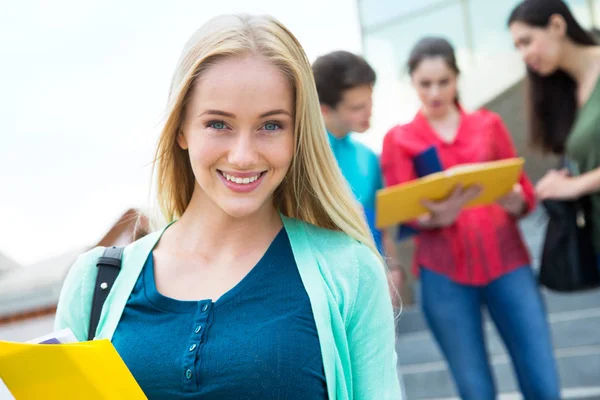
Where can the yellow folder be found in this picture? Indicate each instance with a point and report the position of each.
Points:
(402, 203)
(87, 370)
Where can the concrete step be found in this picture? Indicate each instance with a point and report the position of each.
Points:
(592, 393)
(575, 324)
(569, 329)
(411, 320)
(579, 369)
(533, 232)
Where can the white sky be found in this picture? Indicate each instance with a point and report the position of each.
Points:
(82, 88)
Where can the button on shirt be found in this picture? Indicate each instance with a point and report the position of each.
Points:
(360, 166)
(258, 341)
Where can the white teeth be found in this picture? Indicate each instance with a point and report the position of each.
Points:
(242, 181)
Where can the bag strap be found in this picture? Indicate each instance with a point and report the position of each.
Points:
(109, 266)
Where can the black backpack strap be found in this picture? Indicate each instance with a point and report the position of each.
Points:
(109, 266)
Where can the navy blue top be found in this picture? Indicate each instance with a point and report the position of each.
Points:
(258, 341)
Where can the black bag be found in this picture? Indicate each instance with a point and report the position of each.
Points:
(109, 266)
(569, 261)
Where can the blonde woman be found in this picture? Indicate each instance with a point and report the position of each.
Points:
(266, 284)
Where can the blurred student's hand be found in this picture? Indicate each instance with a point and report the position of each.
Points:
(444, 213)
(514, 202)
(557, 184)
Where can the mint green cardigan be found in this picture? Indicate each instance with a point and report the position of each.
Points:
(348, 292)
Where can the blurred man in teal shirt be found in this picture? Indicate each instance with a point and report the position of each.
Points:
(345, 86)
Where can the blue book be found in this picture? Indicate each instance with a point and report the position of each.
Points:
(425, 163)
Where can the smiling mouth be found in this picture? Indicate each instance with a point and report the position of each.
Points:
(245, 180)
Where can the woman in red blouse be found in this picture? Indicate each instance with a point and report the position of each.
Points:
(476, 257)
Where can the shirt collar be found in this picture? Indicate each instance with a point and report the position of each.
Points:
(333, 140)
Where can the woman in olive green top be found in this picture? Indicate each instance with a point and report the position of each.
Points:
(563, 63)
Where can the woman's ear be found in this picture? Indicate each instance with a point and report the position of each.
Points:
(413, 83)
(557, 25)
(182, 141)
(325, 109)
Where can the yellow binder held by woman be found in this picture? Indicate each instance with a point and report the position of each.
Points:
(54, 370)
(402, 203)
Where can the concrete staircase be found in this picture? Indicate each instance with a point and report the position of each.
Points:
(575, 323)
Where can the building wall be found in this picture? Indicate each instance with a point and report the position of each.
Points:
(476, 28)
(29, 295)
(29, 329)
(511, 106)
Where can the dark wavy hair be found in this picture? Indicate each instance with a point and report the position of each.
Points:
(552, 101)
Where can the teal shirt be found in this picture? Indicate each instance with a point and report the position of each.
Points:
(346, 285)
(213, 350)
(360, 166)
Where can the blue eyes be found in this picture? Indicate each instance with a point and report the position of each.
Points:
(270, 126)
(217, 125)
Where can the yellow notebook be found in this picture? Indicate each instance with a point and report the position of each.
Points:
(87, 370)
(402, 203)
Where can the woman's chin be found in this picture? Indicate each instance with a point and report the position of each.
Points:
(244, 208)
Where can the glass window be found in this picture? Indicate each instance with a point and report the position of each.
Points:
(387, 50)
(376, 12)
(596, 13)
(581, 11)
(389, 46)
(496, 64)
(488, 26)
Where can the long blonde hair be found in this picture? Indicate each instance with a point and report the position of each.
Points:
(314, 189)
